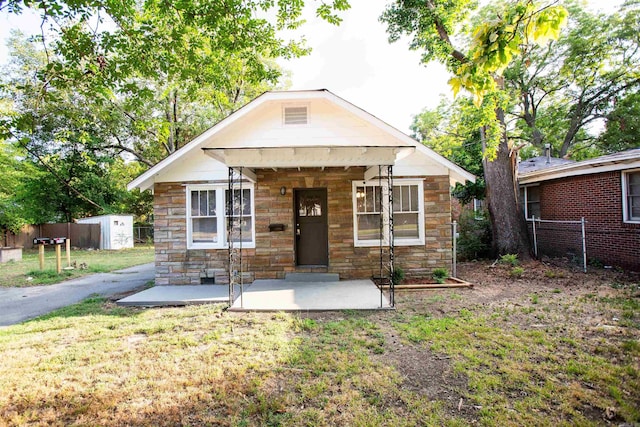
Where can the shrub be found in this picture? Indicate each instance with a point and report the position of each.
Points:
(474, 239)
(511, 259)
(398, 275)
(440, 274)
(516, 272)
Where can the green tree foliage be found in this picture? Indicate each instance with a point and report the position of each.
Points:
(564, 87)
(623, 126)
(437, 27)
(451, 131)
(107, 83)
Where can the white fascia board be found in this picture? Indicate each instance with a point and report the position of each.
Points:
(146, 180)
(586, 167)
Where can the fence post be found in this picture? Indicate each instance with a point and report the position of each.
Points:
(584, 246)
(535, 238)
(41, 256)
(58, 258)
(455, 249)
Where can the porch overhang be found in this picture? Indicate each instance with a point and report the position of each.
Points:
(309, 157)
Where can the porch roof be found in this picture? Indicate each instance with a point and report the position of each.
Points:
(309, 156)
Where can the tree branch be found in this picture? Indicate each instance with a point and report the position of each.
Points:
(444, 35)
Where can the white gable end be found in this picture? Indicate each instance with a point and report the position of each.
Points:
(336, 133)
(328, 125)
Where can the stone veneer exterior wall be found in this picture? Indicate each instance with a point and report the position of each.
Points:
(274, 254)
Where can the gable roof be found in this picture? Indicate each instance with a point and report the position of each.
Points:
(629, 159)
(400, 140)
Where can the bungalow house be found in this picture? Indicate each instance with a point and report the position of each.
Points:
(605, 191)
(297, 182)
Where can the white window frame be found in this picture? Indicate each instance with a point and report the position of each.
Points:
(525, 200)
(221, 216)
(296, 105)
(385, 220)
(626, 209)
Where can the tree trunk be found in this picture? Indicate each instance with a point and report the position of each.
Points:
(574, 127)
(509, 227)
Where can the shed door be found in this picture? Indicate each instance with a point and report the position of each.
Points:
(312, 243)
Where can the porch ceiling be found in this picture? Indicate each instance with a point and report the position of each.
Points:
(312, 156)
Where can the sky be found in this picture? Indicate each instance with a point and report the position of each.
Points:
(353, 60)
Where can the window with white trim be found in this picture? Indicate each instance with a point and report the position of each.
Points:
(631, 196)
(408, 213)
(207, 216)
(204, 218)
(530, 196)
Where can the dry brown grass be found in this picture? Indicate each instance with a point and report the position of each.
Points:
(492, 355)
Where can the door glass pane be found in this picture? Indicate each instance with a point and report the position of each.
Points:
(309, 206)
(205, 230)
(369, 227)
(405, 226)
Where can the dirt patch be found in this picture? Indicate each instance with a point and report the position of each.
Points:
(426, 373)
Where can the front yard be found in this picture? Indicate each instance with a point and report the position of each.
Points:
(550, 348)
(27, 272)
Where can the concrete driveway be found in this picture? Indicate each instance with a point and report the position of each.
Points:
(19, 304)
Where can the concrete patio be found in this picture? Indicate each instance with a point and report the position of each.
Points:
(296, 293)
(299, 295)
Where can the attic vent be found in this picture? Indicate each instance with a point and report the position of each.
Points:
(295, 115)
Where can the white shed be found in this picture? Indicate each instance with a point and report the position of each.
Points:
(116, 231)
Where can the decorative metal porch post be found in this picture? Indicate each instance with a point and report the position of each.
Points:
(232, 252)
(392, 292)
(234, 231)
(381, 233)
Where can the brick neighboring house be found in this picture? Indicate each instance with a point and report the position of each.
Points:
(605, 191)
(314, 174)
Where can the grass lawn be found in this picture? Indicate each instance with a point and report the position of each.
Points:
(27, 272)
(555, 354)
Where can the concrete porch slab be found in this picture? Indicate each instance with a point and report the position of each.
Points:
(178, 295)
(288, 295)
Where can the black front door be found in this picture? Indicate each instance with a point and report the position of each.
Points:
(312, 243)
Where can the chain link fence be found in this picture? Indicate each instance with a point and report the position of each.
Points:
(559, 239)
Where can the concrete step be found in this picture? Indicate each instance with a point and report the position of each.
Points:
(312, 277)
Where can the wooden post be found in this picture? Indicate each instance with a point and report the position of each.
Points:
(58, 258)
(67, 249)
(41, 255)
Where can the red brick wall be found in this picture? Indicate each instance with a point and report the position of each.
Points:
(597, 198)
(274, 254)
